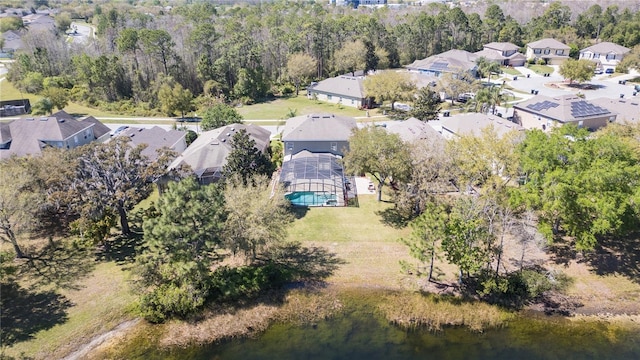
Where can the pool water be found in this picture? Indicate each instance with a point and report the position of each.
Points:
(310, 198)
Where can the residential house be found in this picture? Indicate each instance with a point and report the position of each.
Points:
(473, 124)
(29, 135)
(39, 22)
(344, 90)
(503, 53)
(414, 130)
(312, 173)
(12, 42)
(318, 133)
(543, 112)
(156, 138)
(628, 110)
(207, 155)
(452, 61)
(606, 55)
(551, 51)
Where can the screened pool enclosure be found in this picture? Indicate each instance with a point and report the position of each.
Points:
(316, 179)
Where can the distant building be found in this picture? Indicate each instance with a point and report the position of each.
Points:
(319, 133)
(452, 61)
(12, 42)
(29, 135)
(503, 53)
(207, 155)
(156, 138)
(607, 55)
(344, 90)
(551, 51)
(545, 113)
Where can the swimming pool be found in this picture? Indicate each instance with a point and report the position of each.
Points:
(310, 198)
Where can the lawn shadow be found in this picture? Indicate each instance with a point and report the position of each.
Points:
(121, 249)
(24, 313)
(617, 256)
(562, 252)
(305, 263)
(392, 217)
(299, 211)
(60, 265)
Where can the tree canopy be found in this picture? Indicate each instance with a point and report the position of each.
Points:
(389, 86)
(577, 70)
(375, 151)
(219, 115)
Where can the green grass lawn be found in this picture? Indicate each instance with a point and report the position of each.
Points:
(360, 236)
(511, 71)
(279, 108)
(541, 69)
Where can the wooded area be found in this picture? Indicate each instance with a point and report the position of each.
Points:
(149, 61)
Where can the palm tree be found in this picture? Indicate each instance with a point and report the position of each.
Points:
(487, 67)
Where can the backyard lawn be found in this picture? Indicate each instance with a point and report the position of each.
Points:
(362, 237)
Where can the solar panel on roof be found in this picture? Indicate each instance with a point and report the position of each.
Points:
(585, 109)
(544, 105)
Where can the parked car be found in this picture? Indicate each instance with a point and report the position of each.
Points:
(609, 71)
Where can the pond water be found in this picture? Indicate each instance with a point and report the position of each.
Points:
(359, 334)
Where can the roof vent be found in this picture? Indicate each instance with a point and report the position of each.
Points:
(224, 140)
(233, 129)
(140, 129)
(60, 120)
(132, 135)
(29, 119)
(215, 142)
(44, 118)
(228, 134)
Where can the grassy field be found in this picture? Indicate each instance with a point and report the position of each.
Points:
(280, 108)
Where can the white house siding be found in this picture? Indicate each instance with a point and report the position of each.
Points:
(336, 99)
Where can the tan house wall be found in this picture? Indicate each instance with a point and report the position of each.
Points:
(533, 121)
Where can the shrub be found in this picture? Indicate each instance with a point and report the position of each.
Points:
(170, 300)
(231, 284)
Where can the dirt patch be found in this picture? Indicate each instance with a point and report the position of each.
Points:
(114, 335)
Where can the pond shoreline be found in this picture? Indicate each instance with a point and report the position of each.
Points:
(308, 306)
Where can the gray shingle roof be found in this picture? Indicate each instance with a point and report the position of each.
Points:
(413, 129)
(548, 43)
(501, 46)
(28, 134)
(155, 138)
(318, 127)
(208, 153)
(607, 48)
(347, 86)
(628, 109)
(560, 108)
(473, 123)
(99, 129)
(450, 61)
